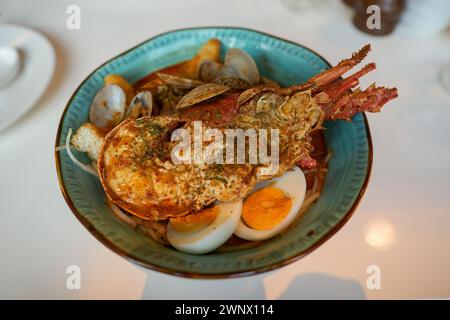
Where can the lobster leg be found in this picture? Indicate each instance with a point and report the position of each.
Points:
(315, 84)
(346, 105)
(339, 87)
(350, 103)
(332, 74)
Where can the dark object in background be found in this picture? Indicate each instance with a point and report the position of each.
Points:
(350, 3)
(390, 11)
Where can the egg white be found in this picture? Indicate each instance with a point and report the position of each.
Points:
(212, 236)
(293, 184)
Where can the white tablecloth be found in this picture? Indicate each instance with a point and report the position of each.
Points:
(401, 226)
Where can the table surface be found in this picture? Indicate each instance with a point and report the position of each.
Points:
(401, 225)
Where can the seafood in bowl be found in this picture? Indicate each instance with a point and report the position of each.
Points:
(196, 201)
(194, 78)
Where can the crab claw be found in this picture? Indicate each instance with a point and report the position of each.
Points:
(371, 100)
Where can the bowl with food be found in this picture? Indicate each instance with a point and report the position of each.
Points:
(217, 152)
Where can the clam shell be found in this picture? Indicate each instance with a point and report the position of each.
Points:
(201, 93)
(236, 84)
(249, 94)
(243, 64)
(209, 70)
(182, 83)
(108, 106)
(141, 105)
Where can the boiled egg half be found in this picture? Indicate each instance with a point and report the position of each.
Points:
(272, 207)
(206, 230)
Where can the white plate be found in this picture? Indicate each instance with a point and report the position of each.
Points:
(36, 69)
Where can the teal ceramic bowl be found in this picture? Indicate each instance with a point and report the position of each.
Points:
(281, 60)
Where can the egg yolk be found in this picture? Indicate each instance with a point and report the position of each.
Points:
(266, 208)
(196, 221)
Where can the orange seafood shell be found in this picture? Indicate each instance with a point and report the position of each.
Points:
(147, 211)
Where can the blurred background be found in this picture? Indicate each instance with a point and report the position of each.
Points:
(401, 225)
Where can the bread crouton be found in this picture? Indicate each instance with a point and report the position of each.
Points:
(89, 139)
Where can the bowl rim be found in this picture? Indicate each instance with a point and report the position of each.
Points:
(193, 275)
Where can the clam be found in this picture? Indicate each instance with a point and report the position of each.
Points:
(179, 82)
(237, 64)
(209, 70)
(201, 93)
(248, 94)
(243, 64)
(141, 105)
(236, 84)
(255, 91)
(108, 106)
